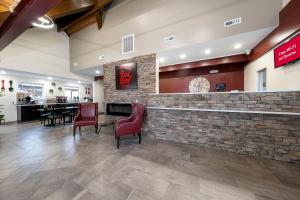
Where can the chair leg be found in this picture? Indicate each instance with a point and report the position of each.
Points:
(118, 142)
(74, 131)
(96, 128)
(99, 129)
(140, 138)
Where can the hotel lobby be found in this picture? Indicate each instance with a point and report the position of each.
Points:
(149, 100)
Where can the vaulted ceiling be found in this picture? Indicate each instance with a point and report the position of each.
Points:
(69, 15)
(74, 15)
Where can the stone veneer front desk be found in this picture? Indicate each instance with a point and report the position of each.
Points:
(257, 124)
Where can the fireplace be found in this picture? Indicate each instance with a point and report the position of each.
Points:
(118, 109)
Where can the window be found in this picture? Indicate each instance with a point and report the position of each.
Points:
(72, 93)
(262, 80)
(35, 91)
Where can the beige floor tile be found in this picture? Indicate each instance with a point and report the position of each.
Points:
(48, 163)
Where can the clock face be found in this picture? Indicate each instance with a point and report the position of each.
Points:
(199, 85)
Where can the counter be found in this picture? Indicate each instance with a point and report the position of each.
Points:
(31, 112)
(259, 124)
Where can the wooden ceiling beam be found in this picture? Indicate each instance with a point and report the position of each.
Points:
(99, 19)
(87, 21)
(17, 22)
(69, 7)
(97, 7)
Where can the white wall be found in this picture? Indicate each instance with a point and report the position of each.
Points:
(153, 20)
(9, 99)
(39, 51)
(98, 94)
(280, 79)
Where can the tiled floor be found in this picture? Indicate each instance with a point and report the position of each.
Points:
(48, 163)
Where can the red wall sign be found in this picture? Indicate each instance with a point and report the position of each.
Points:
(126, 76)
(287, 52)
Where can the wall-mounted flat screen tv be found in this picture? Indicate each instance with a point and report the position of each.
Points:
(288, 52)
(126, 76)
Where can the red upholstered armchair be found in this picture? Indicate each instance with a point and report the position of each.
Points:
(131, 125)
(87, 116)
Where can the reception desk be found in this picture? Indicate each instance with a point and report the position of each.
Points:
(265, 125)
(31, 112)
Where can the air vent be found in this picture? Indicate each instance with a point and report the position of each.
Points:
(169, 38)
(233, 22)
(128, 44)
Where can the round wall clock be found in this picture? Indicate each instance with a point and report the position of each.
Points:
(199, 85)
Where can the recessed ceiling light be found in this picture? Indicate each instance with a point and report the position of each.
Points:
(182, 56)
(75, 64)
(161, 60)
(101, 57)
(97, 72)
(238, 46)
(2, 72)
(207, 51)
(49, 78)
(78, 81)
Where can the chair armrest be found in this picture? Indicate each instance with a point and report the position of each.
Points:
(77, 118)
(123, 120)
(131, 127)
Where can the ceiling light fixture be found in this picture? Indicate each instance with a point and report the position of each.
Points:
(161, 60)
(44, 22)
(238, 46)
(182, 56)
(2, 72)
(207, 51)
(78, 81)
(97, 72)
(49, 78)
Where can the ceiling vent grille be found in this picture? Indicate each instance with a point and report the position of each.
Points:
(232, 22)
(128, 44)
(169, 38)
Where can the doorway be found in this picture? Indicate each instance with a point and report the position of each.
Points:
(262, 80)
